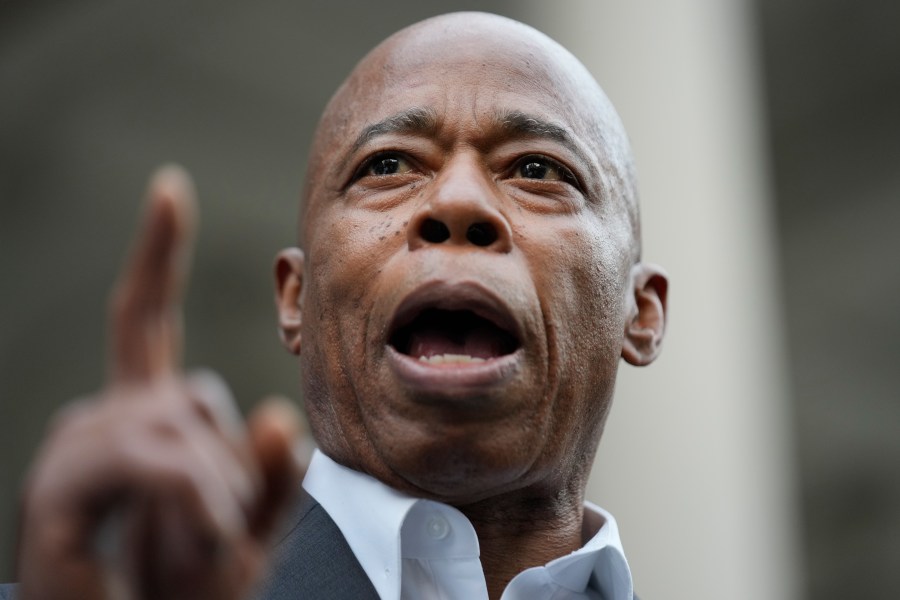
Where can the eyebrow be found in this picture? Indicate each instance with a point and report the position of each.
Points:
(516, 122)
(412, 120)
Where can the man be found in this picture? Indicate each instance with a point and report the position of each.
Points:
(467, 280)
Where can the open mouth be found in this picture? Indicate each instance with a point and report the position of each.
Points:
(442, 336)
(454, 341)
(464, 325)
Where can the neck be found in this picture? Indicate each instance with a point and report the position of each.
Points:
(520, 531)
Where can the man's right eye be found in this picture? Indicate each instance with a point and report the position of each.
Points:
(385, 164)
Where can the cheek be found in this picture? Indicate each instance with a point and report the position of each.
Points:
(345, 255)
(351, 250)
(346, 259)
(584, 274)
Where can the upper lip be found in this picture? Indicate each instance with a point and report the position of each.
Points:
(465, 295)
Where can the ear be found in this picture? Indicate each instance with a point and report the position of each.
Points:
(646, 322)
(288, 300)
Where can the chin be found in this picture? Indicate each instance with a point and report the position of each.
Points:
(451, 455)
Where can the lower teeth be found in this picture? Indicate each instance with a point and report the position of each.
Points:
(440, 359)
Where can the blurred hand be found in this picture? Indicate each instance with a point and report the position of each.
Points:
(155, 488)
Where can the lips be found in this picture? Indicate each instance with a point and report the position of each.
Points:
(453, 335)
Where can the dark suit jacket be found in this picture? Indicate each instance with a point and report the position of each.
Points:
(313, 560)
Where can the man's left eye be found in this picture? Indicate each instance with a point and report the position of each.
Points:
(541, 167)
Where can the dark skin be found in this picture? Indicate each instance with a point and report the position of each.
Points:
(489, 187)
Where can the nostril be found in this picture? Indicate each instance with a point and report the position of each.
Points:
(481, 234)
(434, 231)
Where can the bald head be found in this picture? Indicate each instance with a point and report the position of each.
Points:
(462, 50)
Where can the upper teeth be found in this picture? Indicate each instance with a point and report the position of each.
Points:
(450, 358)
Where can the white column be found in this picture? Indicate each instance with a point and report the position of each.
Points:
(696, 461)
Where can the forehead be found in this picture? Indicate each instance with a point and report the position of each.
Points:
(466, 74)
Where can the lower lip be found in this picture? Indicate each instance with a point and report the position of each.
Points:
(450, 378)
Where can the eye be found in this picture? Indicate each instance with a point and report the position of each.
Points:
(545, 169)
(385, 163)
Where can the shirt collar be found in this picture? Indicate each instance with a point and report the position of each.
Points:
(598, 565)
(351, 499)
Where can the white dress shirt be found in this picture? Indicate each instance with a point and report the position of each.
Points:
(415, 549)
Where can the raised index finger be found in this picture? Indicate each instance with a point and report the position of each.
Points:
(145, 311)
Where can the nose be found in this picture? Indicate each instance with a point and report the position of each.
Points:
(461, 210)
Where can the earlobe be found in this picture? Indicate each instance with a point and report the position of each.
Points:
(288, 301)
(646, 322)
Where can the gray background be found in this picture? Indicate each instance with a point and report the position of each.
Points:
(94, 95)
(833, 85)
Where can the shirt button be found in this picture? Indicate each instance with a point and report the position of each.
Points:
(438, 527)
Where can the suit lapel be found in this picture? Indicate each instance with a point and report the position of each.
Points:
(313, 560)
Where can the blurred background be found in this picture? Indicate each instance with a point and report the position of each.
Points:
(759, 458)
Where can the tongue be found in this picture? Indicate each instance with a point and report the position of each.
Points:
(477, 342)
